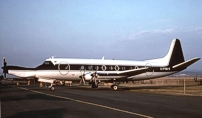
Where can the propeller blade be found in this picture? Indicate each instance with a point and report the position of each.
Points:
(4, 75)
(4, 67)
(94, 81)
(82, 76)
(83, 80)
(5, 63)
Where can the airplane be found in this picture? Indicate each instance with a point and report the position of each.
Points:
(95, 71)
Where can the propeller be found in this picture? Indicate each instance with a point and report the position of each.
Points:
(5, 70)
(94, 78)
(82, 77)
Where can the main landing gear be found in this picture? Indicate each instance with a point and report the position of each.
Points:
(94, 83)
(114, 87)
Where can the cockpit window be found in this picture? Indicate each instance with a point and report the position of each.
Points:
(47, 63)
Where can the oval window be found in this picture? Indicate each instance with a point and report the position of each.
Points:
(96, 67)
(111, 68)
(116, 68)
(82, 67)
(63, 68)
(104, 67)
(90, 67)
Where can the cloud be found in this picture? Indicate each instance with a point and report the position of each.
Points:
(148, 43)
(174, 31)
(163, 20)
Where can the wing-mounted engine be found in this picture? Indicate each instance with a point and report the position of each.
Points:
(85, 77)
(88, 76)
(91, 77)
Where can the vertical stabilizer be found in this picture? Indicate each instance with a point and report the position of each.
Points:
(175, 54)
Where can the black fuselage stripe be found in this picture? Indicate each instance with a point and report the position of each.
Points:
(77, 67)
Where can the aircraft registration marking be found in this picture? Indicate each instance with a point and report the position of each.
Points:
(89, 103)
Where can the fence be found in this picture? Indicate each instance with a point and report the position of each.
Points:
(173, 80)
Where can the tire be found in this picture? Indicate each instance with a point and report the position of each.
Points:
(94, 85)
(52, 88)
(114, 87)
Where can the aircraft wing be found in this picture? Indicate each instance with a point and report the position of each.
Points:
(127, 73)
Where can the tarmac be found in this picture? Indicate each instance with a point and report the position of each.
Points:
(81, 101)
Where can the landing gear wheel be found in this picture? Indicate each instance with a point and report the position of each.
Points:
(114, 87)
(94, 85)
(52, 88)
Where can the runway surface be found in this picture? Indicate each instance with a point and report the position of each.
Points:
(76, 102)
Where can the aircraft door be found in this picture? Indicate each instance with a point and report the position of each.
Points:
(151, 72)
(63, 68)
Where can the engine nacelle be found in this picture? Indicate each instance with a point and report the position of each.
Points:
(88, 76)
(46, 80)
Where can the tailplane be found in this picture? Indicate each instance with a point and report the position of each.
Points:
(175, 57)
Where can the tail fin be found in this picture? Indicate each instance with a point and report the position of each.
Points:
(176, 57)
(175, 54)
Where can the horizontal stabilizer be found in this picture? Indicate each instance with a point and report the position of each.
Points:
(186, 63)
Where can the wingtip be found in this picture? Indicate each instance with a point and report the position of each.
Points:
(186, 63)
(197, 58)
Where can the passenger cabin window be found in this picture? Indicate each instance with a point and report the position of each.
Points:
(82, 67)
(111, 68)
(96, 67)
(90, 67)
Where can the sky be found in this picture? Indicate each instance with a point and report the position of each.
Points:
(34, 30)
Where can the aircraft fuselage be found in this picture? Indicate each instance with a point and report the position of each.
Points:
(94, 70)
